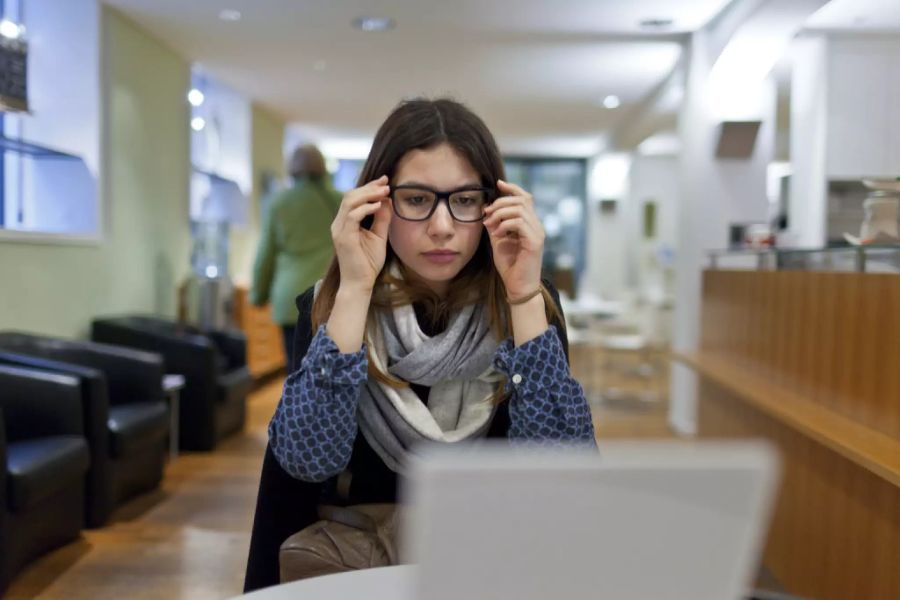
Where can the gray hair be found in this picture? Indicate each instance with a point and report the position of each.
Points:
(307, 161)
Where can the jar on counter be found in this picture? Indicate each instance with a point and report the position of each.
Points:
(882, 209)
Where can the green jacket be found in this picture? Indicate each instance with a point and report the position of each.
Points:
(295, 247)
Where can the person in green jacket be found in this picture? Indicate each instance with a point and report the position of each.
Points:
(295, 246)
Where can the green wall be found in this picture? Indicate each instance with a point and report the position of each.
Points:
(56, 289)
(267, 156)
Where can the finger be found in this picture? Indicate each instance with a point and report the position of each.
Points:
(508, 212)
(510, 189)
(519, 227)
(363, 195)
(514, 209)
(383, 180)
(503, 228)
(383, 217)
(376, 187)
(359, 213)
(507, 201)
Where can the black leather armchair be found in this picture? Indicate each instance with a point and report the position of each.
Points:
(43, 461)
(126, 419)
(214, 365)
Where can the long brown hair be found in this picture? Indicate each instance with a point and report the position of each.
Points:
(421, 124)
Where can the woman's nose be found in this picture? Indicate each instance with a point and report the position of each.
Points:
(441, 222)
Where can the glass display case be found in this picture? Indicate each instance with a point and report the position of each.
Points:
(882, 258)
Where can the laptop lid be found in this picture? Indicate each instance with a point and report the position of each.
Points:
(638, 520)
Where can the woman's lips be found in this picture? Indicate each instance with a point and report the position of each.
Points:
(440, 257)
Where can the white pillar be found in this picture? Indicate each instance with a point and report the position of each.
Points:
(714, 192)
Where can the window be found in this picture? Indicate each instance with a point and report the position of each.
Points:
(559, 190)
(347, 174)
(49, 157)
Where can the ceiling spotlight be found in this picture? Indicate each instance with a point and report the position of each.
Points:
(9, 30)
(374, 23)
(229, 14)
(611, 102)
(198, 123)
(656, 23)
(195, 97)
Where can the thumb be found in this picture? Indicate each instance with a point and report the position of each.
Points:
(382, 220)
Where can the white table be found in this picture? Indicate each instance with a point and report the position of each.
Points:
(172, 385)
(598, 309)
(385, 583)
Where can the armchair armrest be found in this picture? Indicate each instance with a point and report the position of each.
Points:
(132, 376)
(93, 392)
(38, 403)
(233, 345)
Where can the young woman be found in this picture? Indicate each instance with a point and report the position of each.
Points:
(431, 325)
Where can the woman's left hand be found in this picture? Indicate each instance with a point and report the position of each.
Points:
(517, 239)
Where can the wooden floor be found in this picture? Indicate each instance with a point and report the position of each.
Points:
(189, 540)
(628, 392)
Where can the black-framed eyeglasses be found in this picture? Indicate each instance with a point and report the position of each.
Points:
(417, 203)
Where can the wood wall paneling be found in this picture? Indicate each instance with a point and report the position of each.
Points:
(811, 361)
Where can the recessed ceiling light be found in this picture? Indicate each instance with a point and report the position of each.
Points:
(656, 23)
(611, 102)
(229, 14)
(374, 23)
(198, 123)
(195, 97)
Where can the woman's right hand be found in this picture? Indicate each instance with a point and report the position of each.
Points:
(361, 252)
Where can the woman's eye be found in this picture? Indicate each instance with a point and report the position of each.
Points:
(416, 200)
(465, 200)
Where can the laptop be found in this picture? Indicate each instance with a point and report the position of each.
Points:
(636, 521)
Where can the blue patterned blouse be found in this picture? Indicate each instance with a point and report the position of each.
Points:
(313, 431)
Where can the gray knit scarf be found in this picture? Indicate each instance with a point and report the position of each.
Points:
(455, 364)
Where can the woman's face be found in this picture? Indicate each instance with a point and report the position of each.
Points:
(437, 249)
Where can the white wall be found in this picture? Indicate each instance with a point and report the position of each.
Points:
(615, 240)
(57, 289)
(651, 178)
(844, 121)
(604, 273)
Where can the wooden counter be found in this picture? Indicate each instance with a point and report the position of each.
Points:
(811, 361)
(265, 347)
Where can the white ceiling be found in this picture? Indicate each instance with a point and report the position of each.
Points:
(535, 70)
(868, 16)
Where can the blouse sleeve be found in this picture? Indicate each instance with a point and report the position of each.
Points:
(312, 432)
(546, 404)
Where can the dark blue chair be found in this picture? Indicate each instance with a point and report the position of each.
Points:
(44, 457)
